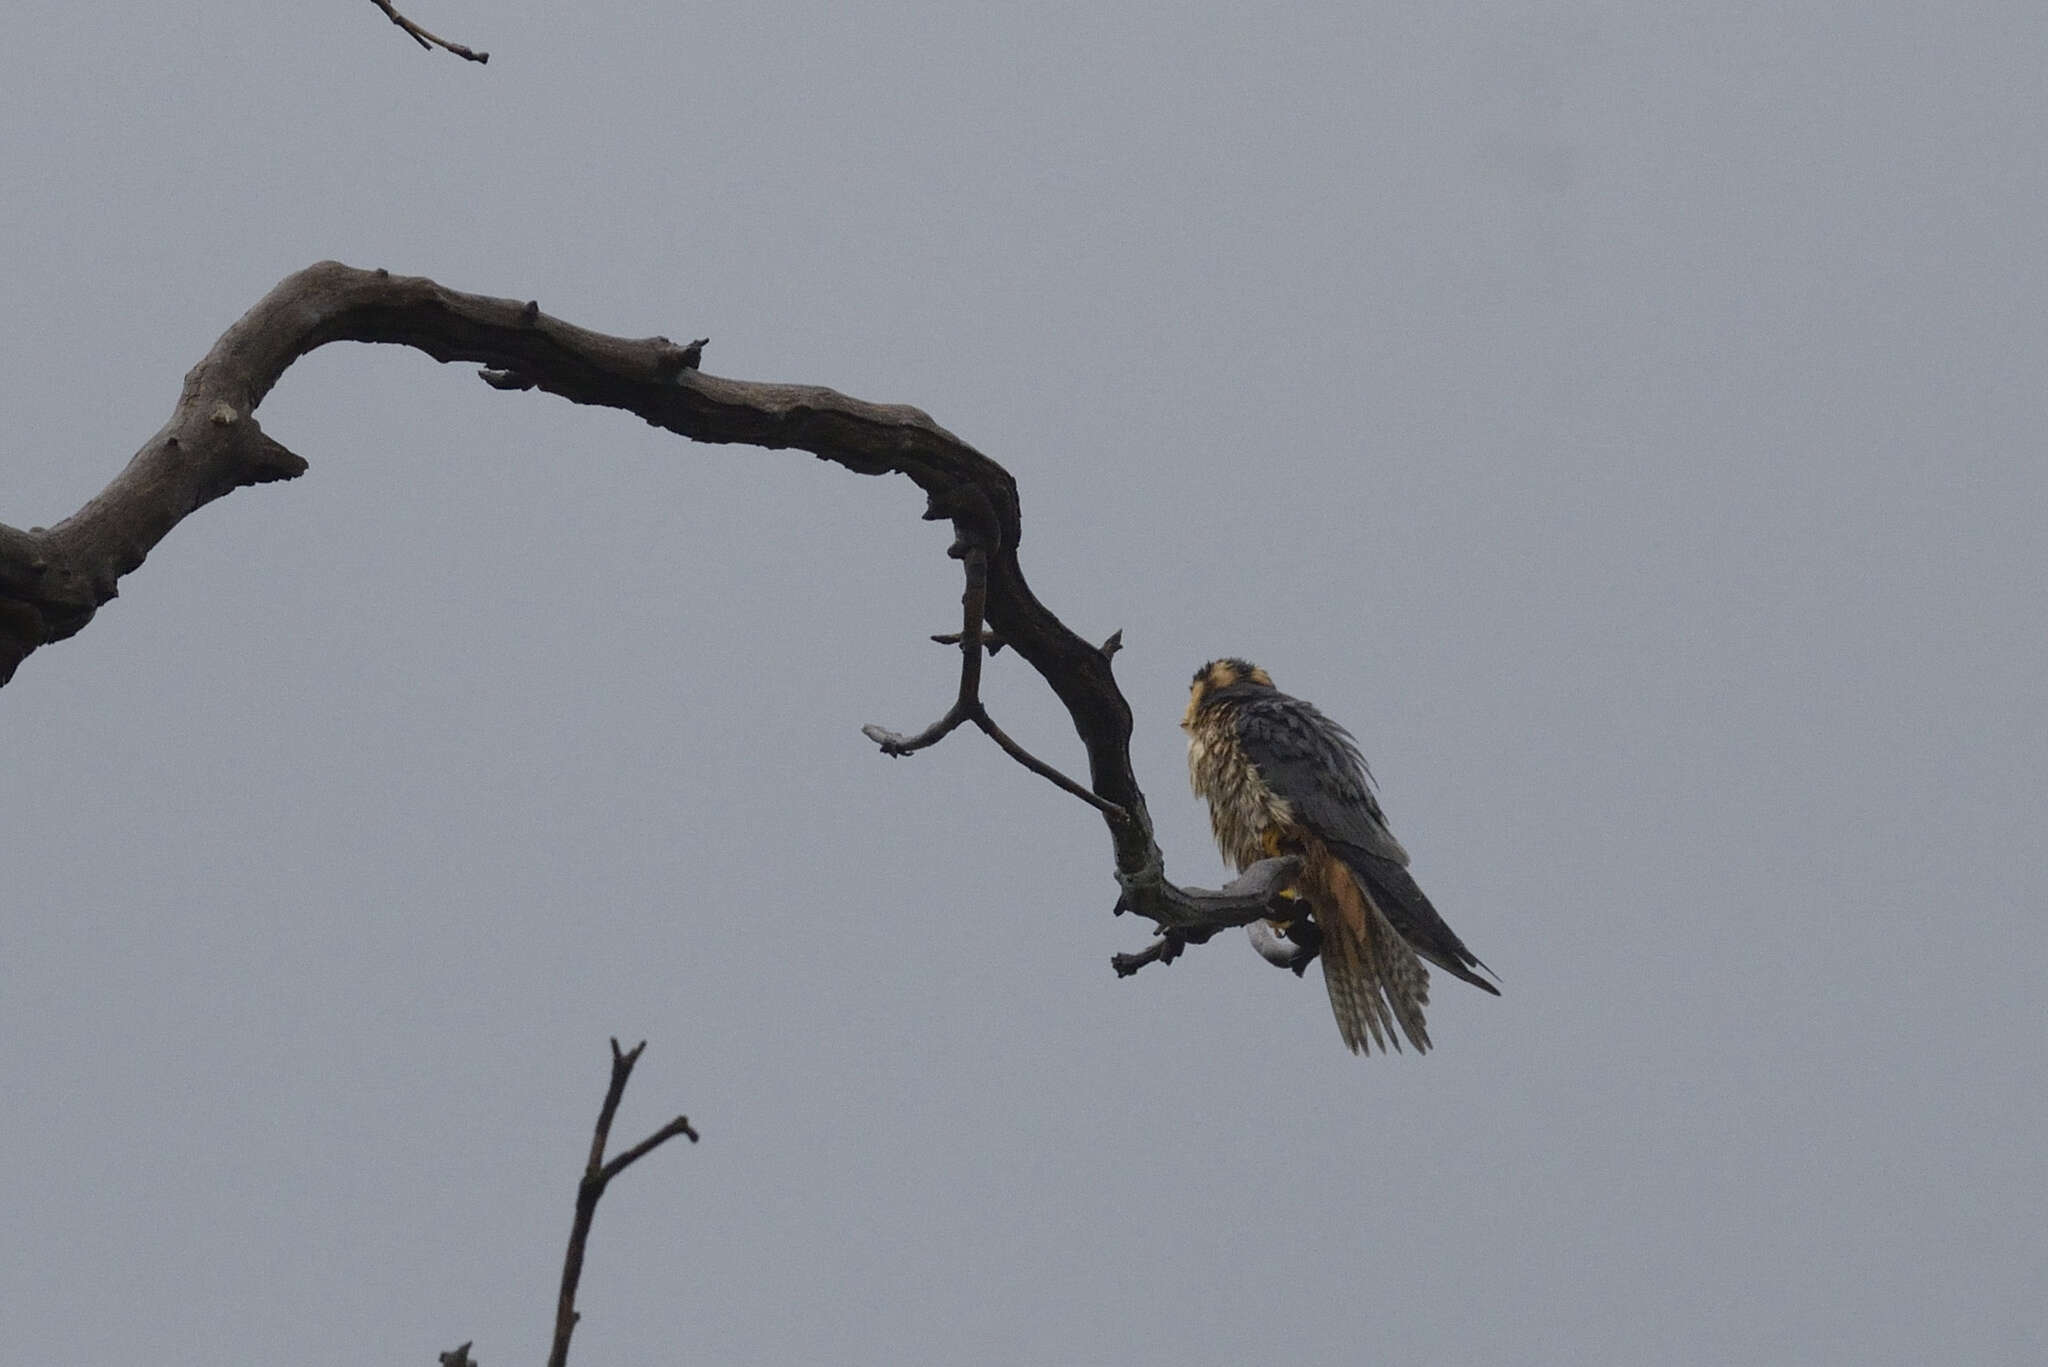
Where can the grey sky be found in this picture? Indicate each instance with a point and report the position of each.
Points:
(1625, 418)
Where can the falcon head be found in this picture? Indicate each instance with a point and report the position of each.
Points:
(1217, 675)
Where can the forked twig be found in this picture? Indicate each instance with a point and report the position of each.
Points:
(967, 704)
(597, 1174)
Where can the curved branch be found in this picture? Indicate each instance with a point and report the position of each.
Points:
(53, 581)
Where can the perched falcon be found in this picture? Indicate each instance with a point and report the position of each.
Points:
(1282, 778)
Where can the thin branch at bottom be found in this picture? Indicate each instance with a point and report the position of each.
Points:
(597, 1175)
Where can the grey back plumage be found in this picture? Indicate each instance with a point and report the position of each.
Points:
(1315, 766)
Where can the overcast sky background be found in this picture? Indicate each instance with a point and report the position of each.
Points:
(1626, 418)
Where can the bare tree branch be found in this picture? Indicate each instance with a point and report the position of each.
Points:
(597, 1175)
(53, 581)
(427, 40)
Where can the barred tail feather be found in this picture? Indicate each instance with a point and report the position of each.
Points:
(1355, 994)
(1374, 979)
(1390, 887)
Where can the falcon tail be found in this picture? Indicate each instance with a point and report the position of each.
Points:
(1374, 979)
(1391, 888)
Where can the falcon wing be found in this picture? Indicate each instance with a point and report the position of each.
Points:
(1314, 764)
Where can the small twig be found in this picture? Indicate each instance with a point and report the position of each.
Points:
(1163, 950)
(680, 1125)
(967, 705)
(597, 1174)
(428, 40)
(1041, 768)
(973, 601)
(895, 744)
(990, 642)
